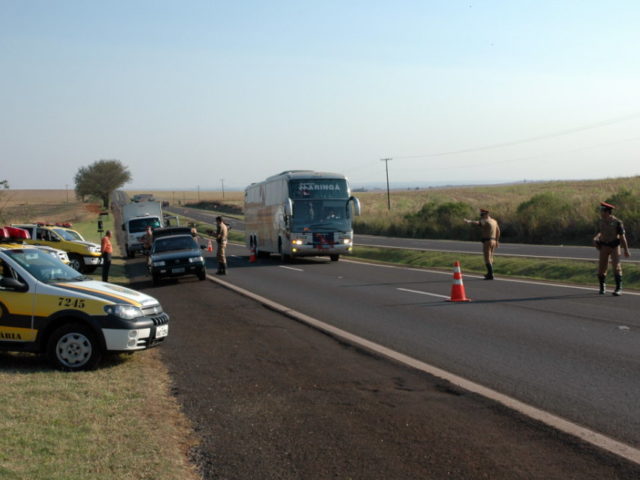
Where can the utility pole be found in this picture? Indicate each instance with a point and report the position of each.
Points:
(222, 181)
(386, 164)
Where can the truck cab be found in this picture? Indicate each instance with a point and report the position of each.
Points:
(136, 217)
(84, 256)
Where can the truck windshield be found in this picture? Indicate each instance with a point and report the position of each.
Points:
(138, 225)
(321, 215)
(44, 267)
(69, 235)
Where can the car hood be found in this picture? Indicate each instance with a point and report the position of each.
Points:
(109, 292)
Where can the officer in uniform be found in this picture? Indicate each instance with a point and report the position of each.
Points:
(608, 240)
(490, 236)
(221, 239)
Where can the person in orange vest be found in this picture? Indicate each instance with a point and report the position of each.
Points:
(608, 240)
(490, 236)
(107, 250)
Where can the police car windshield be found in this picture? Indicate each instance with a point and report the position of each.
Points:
(69, 235)
(44, 267)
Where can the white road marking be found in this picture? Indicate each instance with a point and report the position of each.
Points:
(292, 268)
(499, 279)
(587, 435)
(497, 254)
(423, 293)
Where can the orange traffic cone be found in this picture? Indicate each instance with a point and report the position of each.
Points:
(252, 256)
(457, 289)
(209, 246)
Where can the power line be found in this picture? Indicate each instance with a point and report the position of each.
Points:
(524, 140)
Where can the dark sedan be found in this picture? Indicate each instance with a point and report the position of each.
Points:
(175, 253)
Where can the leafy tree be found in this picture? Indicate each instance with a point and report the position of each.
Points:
(101, 179)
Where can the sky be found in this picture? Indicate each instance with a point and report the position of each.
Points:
(206, 94)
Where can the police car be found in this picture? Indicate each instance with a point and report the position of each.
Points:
(48, 307)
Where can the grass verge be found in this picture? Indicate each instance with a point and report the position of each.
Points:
(561, 271)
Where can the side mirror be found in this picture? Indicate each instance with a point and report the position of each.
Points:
(356, 206)
(123, 229)
(13, 284)
(288, 207)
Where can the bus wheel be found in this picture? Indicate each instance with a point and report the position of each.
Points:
(74, 347)
(335, 257)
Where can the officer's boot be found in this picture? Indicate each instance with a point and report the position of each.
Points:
(618, 291)
(224, 269)
(489, 275)
(602, 285)
(219, 272)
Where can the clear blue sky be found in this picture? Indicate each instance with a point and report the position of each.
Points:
(190, 93)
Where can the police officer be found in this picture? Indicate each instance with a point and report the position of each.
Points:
(608, 240)
(490, 236)
(221, 239)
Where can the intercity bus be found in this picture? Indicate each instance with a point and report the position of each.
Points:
(300, 213)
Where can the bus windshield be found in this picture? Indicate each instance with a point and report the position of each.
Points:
(319, 215)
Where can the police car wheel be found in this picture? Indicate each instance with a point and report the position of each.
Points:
(73, 347)
(75, 262)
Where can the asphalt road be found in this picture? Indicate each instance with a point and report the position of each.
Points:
(566, 350)
(270, 398)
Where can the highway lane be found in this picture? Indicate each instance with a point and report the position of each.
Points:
(205, 216)
(565, 350)
(512, 249)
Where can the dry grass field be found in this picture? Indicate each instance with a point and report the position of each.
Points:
(182, 197)
(49, 206)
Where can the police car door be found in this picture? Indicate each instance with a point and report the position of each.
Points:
(16, 307)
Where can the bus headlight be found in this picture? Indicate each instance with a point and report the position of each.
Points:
(296, 242)
(346, 241)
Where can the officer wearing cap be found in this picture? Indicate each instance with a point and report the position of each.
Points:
(608, 240)
(490, 236)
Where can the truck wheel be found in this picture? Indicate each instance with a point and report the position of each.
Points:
(74, 347)
(335, 257)
(156, 280)
(76, 262)
(130, 253)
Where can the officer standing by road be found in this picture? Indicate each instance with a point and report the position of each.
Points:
(221, 239)
(490, 231)
(608, 240)
(107, 250)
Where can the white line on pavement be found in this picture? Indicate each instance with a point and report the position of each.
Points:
(292, 268)
(423, 293)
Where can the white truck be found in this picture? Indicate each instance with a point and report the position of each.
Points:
(136, 217)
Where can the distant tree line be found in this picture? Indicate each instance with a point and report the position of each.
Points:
(546, 218)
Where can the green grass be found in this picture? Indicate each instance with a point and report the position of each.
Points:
(117, 422)
(559, 271)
